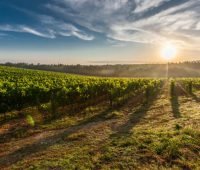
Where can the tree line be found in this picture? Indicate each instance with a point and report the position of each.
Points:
(180, 69)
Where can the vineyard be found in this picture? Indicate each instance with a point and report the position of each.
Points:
(54, 120)
(20, 88)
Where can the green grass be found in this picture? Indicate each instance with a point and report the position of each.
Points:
(132, 136)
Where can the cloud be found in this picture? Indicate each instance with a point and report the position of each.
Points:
(116, 43)
(94, 15)
(60, 29)
(25, 29)
(143, 5)
(34, 32)
(47, 27)
(64, 29)
(140, 21)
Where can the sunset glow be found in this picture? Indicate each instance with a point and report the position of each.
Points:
(169, 51)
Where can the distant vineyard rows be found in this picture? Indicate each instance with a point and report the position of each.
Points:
(21, 87)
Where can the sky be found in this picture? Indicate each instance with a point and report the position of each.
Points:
(98, 31)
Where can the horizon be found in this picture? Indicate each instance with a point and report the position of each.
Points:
(98, 32)
(104, 63)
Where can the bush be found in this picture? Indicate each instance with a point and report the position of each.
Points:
(45, 107)
(30, 120)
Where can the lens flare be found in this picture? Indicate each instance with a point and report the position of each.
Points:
(169, 51)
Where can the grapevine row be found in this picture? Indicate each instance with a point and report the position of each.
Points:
(20, 88)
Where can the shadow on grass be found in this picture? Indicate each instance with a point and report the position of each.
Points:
(43, 144)
(6, 120)
(195, 97)
(137, 115)
(175, 106)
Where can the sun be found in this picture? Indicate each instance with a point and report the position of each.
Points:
(169, 51)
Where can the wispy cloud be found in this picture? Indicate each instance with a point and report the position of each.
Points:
(63, 29)
(143, 5)
(25, 29)
(35, 32)
(47, 27)
(49, 32)
(138, 21)
(116, 43)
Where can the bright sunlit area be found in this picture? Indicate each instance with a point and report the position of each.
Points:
(169, 51)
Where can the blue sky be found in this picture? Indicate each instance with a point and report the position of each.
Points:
(97, 31)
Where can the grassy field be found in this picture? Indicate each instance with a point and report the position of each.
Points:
(161, 134)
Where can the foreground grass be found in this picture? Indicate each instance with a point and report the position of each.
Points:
(144, 149)
(133, 136)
